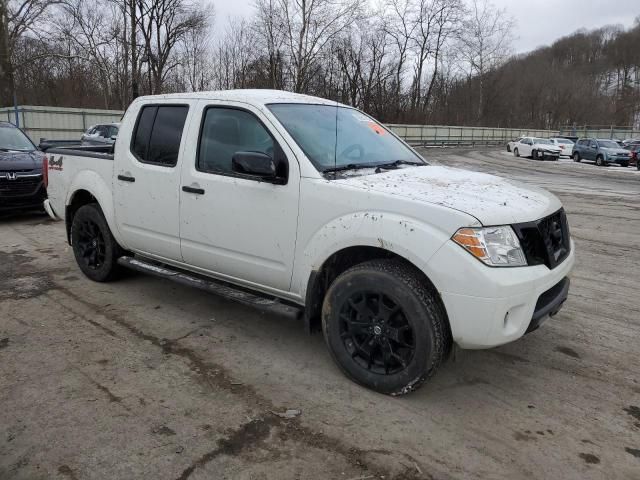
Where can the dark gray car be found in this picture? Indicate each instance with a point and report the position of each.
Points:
(22, 185)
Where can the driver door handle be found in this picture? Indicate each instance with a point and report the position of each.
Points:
(197, 191)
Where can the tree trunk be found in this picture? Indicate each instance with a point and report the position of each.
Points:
(135, 87)
(6, 68)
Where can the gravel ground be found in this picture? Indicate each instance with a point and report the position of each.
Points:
(143, 378)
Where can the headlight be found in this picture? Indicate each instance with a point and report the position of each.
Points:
(495, 246)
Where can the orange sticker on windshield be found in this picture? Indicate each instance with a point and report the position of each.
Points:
(376, 128)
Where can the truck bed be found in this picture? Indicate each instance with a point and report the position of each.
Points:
(91, 167)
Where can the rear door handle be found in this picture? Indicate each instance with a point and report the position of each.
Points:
(197, 191)
(125, 178)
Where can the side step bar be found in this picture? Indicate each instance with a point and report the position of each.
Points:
(223, 289)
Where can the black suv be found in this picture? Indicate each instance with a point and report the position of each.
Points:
(21, 171)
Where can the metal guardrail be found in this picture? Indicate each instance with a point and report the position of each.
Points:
(57, 123)
(455, 135)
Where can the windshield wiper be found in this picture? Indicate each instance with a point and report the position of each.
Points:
(377, 166)
(350, 166)
(396, 164)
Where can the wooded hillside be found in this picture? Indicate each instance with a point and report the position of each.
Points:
(417, 61)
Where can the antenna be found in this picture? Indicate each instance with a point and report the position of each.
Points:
(335, 147)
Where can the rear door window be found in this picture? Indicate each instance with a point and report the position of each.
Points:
(158, 134)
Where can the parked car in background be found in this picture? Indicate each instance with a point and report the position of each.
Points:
(101, 134)
(568, 137)
(512, 143)
(536, 148)
(21, 176)
(629, 141)
(634, 149)
(602, 151)
(565, 145)
(211, 184)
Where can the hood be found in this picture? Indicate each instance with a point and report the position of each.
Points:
(615, 151)
(20, 161)
(492, 200)
(546, 146)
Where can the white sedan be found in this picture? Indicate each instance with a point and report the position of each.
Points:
(566, 146)
(536, 148)
(512, 143)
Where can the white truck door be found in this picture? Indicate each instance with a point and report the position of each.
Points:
(233, 225)
(147, 179)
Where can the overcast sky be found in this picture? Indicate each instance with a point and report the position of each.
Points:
(537, 22)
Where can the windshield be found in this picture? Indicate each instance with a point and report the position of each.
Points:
(356, 139)
(608, 144)
(12, 138)
(543, 141)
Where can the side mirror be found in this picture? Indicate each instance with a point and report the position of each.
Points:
(254, 164)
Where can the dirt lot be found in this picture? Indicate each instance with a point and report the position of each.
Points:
(143, 378)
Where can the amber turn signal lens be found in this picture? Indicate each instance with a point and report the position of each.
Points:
(469, 239)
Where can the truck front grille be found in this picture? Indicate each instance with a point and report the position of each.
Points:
(546, 241)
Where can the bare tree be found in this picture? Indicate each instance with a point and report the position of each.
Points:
(17, 17)
(163, 24)
(309, 26)
(485, 42)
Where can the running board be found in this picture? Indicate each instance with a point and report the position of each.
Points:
(220, 288)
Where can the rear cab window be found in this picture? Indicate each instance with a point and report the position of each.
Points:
(158, 133)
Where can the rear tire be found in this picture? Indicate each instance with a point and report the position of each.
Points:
(576, 157)
(516, 152)
(624, 164)
(94, 247)
(384, 327)
(508, 148)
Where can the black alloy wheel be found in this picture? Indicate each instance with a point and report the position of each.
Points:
(91, 244)
(375, 332)
(94, 247)
(385, 326)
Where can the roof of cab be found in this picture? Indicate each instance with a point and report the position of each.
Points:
(251, 96)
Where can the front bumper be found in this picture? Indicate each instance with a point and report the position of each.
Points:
(23, 202)
(549, 155)
(619, 160)
(494, 306)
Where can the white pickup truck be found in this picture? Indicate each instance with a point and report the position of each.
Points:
(287, 198)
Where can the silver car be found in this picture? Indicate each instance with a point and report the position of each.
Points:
(101, 134)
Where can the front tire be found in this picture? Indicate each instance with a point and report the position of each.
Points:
(624, 164)
(600, 161)
(534, 154)
(94, 247)
(384, 327)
